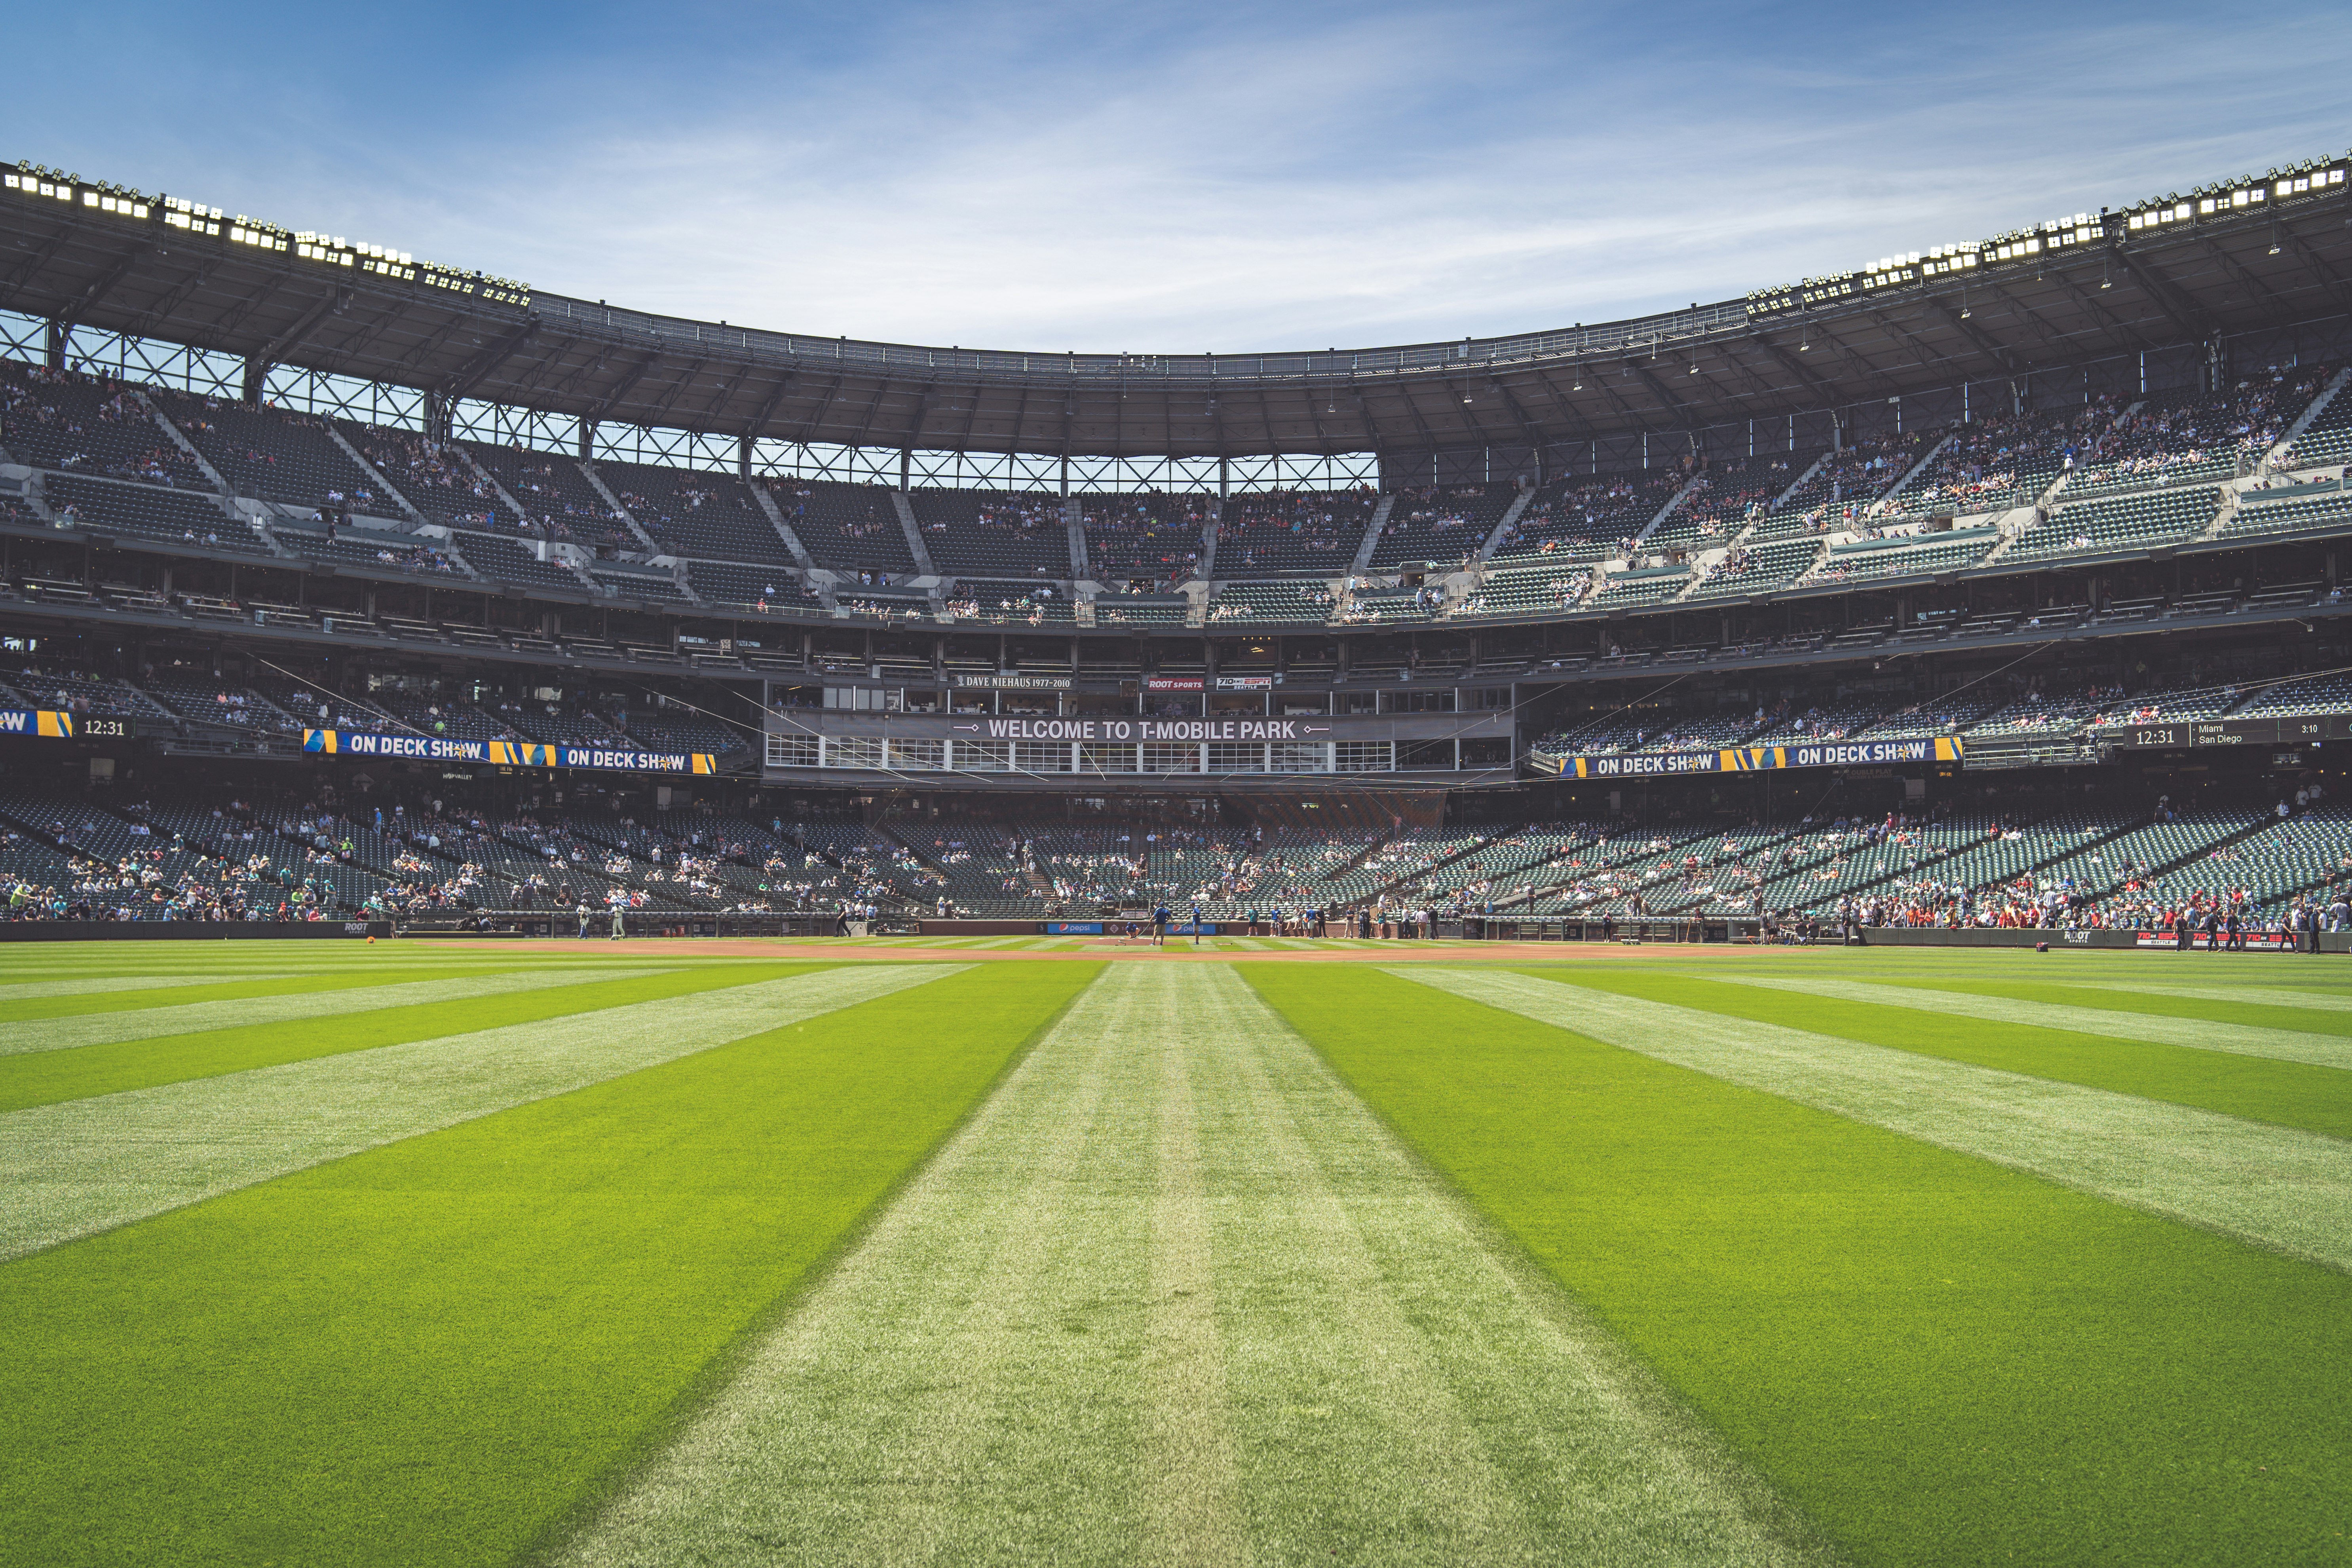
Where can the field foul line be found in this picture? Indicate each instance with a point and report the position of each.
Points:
(1175, 1295)
(2196, 1034)
(194, 1017)
(86, 1165)
(2276, 1187)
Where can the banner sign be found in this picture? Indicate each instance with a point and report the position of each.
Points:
(2252, 940)
(1015, 682)
(1074, 928)
(53, 723)
(1144, 729)
(504, 753)
(1108, 729)
(1756, 759)
(1175, 683)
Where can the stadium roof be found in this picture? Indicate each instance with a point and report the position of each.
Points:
(2236, 256)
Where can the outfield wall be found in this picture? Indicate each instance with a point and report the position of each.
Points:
(2147, 941)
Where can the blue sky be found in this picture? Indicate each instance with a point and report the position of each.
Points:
(1204, 177)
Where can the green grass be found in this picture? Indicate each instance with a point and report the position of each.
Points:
(2290, 1094)
(46, 1078)
(2157, 1003)
(33, 1009)
(1939, 1359)
(430, 1352)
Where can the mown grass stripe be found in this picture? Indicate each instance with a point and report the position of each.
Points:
(1174, 1295)
(2228, 1016)
(2264, 996)
(1419, 1396)
(1942, 1360)
(963, 1377)
(2274, 1186)
(46, 1077)
(2327, 1051)
(2243, 1074)
(86, 1165)
(428, 1354)
(152, 1023)
(23, 990)
(20, 1014)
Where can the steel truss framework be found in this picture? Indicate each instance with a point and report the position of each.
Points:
(306, 391)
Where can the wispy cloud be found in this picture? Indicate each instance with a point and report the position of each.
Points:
(1058, 178)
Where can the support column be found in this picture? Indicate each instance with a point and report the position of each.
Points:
(587, 439)
(743, 459)
(257, 378)
(1224, 479)
(906, 469)
(1065, 474)
(56, 345)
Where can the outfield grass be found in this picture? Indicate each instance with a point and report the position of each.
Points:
(1941, 1359)
(44, 1078)
(426, 1353)
(2290, 1093)
(642, 1256)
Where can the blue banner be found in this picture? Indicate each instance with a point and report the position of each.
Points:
(1755, 758)
(1074, 928)
(55, 723)
(504, 753)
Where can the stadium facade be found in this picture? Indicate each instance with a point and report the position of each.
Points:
(2060, 504)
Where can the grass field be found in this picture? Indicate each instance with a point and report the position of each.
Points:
(1043, 1250)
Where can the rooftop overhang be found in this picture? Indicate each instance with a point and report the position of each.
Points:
(2123, 291)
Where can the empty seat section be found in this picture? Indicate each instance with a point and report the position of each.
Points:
(272, 455)
(433, 478)
(556, 498)
(503, 559)
(987, 535)
(1581, 520)
(1528, 592)
(2140, 521)
(735, 586)
(368, 548)
(58, 419)
(1753, 568)
(1993, 465)
(1263, 532)
(1843, 487)
(848, 527)
(1440, 524)
(149, 512)
(1270, 601)
(2186, 436)
(1147, 538)
(1933, 552)
(696, 512)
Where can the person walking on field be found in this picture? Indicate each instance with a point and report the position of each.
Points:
(617, 932)
(583, 920)
(1160, 925)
